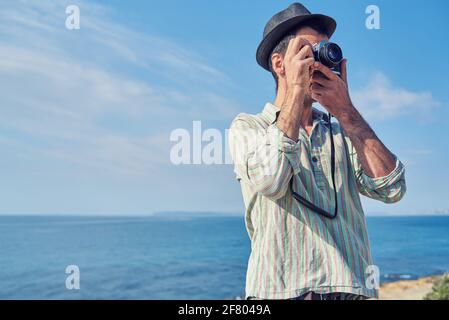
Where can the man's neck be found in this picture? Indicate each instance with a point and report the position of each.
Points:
(306, 120)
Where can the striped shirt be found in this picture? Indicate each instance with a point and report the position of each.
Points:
(293, 249)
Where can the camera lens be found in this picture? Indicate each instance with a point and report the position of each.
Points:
(328, 53)
(334, 53)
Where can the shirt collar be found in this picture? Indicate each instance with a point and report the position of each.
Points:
(271, 112)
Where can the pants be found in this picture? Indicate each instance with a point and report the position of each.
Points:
(323, 296)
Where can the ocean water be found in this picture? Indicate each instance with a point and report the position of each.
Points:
(177, 258)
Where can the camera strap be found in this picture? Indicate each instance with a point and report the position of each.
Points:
(309, 204)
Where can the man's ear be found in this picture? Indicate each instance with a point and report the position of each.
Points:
(277, 62)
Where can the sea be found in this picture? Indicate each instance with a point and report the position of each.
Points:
(176, 257)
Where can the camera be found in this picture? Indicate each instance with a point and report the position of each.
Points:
(329, 54)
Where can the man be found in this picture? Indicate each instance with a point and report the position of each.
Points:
(286, 149)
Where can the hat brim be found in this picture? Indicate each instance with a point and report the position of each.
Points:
(270, 41)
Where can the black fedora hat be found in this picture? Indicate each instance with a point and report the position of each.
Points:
(282, 22)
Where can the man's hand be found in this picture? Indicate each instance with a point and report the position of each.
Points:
(297, 65)
(297, 62)
(330, 90)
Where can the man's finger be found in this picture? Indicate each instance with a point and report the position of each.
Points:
(305, 52)
(316, 96)
(344, 72)
(316, 88)
(325, 70)
(295, 45)
(319, 78)
(309, 61)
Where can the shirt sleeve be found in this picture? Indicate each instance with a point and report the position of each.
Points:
(264, 158)
(388, 189)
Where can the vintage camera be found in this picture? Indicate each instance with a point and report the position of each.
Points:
(329, 54)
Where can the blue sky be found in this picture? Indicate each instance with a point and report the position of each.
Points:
(86, 114)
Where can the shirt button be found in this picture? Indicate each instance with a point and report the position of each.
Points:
(314, 159)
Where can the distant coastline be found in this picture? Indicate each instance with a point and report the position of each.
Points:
(195, 214)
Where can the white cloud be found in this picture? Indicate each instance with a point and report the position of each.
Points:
(379, 99)
(93, 97)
